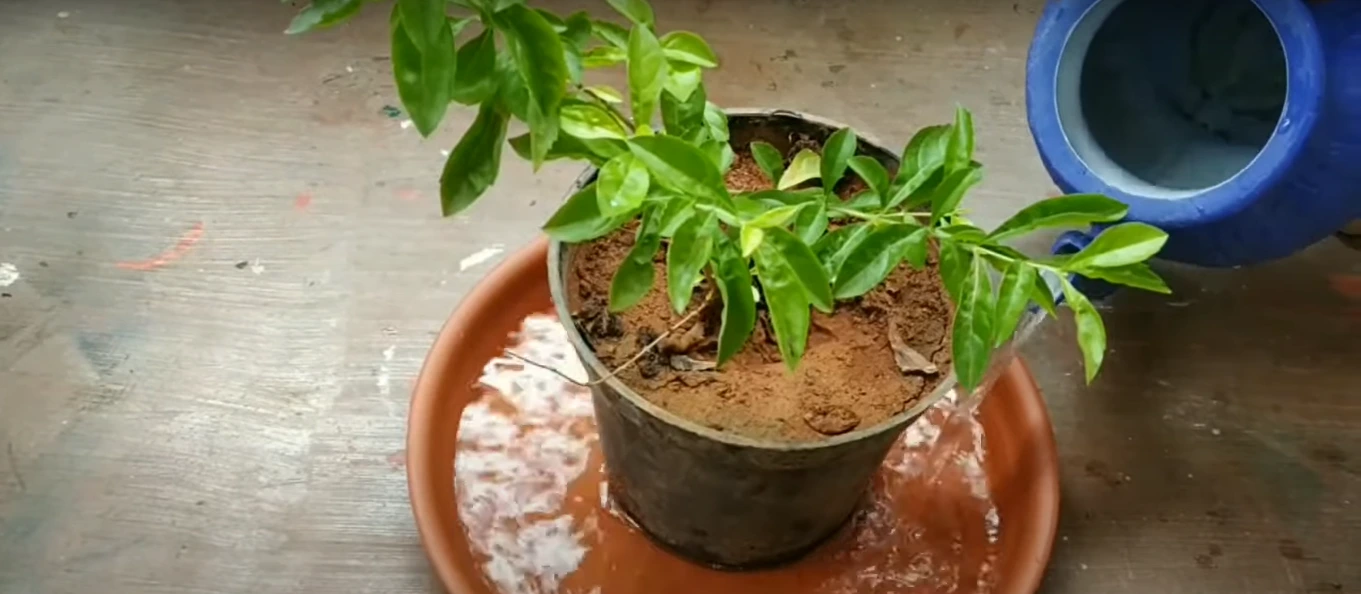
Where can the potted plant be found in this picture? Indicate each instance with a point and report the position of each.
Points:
(763, 300)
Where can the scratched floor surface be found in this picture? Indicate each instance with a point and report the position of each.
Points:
(221, 263)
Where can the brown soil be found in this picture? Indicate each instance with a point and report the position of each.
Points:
(849, 378)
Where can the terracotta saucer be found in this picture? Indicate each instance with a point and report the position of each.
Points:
(966, 502)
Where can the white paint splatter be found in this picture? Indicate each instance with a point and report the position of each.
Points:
(384, 379)
(9, 273)
(479, 257)
(256, 267)
(405, 124)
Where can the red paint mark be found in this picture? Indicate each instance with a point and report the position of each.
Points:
(180, 248)
(303, 201)
(408, 195)
(1346, 285)
(397, 460)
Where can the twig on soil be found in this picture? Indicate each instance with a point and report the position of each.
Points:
(625, 365)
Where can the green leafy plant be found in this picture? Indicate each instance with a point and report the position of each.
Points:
(793, 248)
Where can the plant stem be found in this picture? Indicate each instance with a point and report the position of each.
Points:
(872, 217)
(978, 249)
(685, 321)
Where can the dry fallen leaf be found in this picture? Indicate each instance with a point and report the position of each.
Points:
(684, 363)
(908, 359)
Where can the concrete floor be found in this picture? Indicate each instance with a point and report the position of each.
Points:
(231, 264)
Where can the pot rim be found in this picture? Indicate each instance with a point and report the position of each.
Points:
(1306, 72)
(557, 287)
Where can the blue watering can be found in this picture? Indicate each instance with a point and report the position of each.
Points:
(1234, 125)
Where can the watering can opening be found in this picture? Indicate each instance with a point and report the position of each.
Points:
(1169, 99)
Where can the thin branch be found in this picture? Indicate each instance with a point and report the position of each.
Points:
(685, 321)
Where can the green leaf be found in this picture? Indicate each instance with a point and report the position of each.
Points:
(775, 217)
(579, 28)
(603, 56)
(323, 13)
(584, 120)
(511, 91)
(733, 277)
(811, 222)
(874, 257)
(751, 238)
(605, 93)
(922, 157)
(837, 245)
(613, 34)
(836, 152)
(579, 219)
(1091, 332)
(538, 53)
(804, 167)
(720, 153)
(684, 46)
(1072, 210)
(716, 121)
(638, 11)
(1123, 244)
(787, 302)
(945, 200)
(864, 201)
(646, 72)
(423, 78)
(972, 336)
(959, 150)
(684, 118)
(572, 58)
(1018, 282)
(633, 278)
(473, 164)
(682, 80)
(1041, 293)
(966, 234)
(914, 249)
(768, 159)
(955, 262)
(423, 21)
(458, 24)
(475, 76)
(597, 152)
(686, 256)
(622, 185)
(874, 174)
(1137, 275)
(676, 210)
(790, 251)
(559, 25)
(680, 166)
